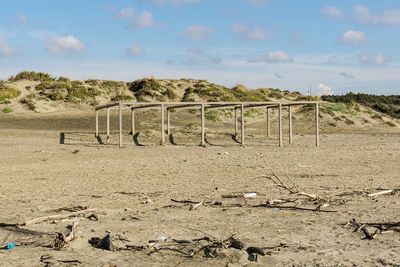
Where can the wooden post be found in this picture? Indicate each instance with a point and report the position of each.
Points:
(242, 123)
(168, 122)
(133, 130)
(120, 123)
(162, 125)
(203, 126)
(97, 124)
(236, 121)
(317, 124)
(290, 125)
(280, 125)
(268, 124)
(108, 125)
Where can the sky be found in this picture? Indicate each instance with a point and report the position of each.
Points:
(333, 46)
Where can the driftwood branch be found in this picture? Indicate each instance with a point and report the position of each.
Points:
(59, 216)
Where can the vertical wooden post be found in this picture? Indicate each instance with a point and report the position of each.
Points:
(108, 125)
(120, 123)
(203, 126)
(290, 125)
(162, 125)
(242, 123)
(280, 125)
(268, 123)
(236, 121)
(133, 130)
(97, 124)
(317, 124)
(168, 122)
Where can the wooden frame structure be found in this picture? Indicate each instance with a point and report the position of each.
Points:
(203, 106)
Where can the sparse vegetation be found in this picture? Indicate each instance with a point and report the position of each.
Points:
(8, 91)
(29, 102)
(212, 115)
(32, 76)
(7, 110)
(389, 105)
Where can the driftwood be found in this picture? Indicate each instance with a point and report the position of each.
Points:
(62, 240)
(294, 207)
(363, 228)
(385, 192)
(59, 217)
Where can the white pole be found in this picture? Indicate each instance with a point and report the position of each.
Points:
(280, 125)
(97, 124)
(133, 122)
(317, 124)
(290, 125)
(108, 125)
(162, 125)
(168, 122)
(203, 126)
(268, 124)
(120, 123)
(236, 122)
(242, 123)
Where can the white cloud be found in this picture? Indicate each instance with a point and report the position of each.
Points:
(389, 17)
(6, 50)
(171, 2)
(272, 57)
(144, 20)
(353, 37)
(247, 32)
(125, 13)
(134, 50)
(346, 75)
(373, 59)
(134, 19)
(64, 45)
(22, 18)
(324, 89)
(278, 57)
(197, 32)
(332, 12)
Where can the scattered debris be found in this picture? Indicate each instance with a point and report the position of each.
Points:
(363, 228)
(93, 217)
(62, 240)
(102, 243)
(59, 217)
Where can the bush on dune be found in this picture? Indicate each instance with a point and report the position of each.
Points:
(32, 76)
(8, 92)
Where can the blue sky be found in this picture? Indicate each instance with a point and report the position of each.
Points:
(335, 46)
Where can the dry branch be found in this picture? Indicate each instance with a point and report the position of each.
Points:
(385, 192)
(59, 217)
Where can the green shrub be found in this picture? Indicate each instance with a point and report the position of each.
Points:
(389, 105)
(7, 110)
(390, 123)
(92, 82)
(79, 94)
(63, 79)
(29, 102)
(32, 76)
(8, 92)
(54, 90)
(212, 115)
